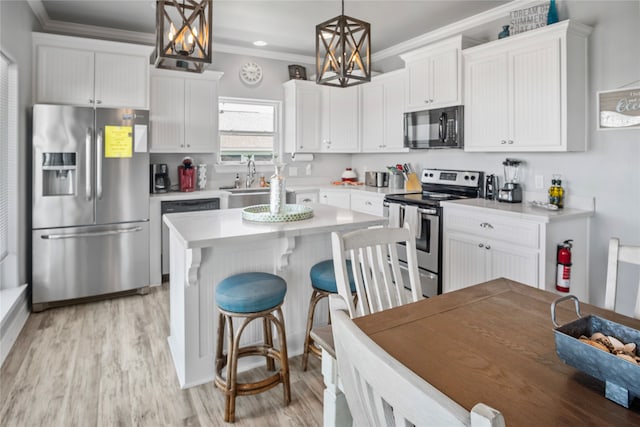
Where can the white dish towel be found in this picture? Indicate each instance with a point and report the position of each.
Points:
(394, 215)
(412, 219)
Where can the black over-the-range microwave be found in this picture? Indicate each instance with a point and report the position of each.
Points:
(439, 128)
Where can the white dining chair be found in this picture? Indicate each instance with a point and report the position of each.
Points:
(381, 391)
(377, 273)
(619, 253)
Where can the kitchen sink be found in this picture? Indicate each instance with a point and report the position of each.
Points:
(243, 197)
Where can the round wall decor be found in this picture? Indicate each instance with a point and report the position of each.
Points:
(251, 73)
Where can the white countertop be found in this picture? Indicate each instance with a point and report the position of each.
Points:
(205, 228)
(519, 210)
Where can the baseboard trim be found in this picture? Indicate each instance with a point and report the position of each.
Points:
(15, 312)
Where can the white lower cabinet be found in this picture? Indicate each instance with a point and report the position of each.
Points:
(475, 260)
(306, 197)
(370, 203)
(481, 244)
(340, 198)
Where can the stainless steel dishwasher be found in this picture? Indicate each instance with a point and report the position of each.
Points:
(175, 206)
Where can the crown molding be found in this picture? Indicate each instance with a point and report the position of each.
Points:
(455, 28)
(53, 26)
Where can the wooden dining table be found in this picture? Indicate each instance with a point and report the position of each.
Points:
(494, 343)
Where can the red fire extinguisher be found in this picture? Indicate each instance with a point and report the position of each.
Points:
(563, 271)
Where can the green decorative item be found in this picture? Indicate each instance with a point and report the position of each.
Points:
(504, 33)
(552, 16)
(262, 213)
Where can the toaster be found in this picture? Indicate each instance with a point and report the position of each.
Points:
(376, 179)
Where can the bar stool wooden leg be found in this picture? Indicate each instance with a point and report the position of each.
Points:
(284, 358)
(268, 339)
(316, 296)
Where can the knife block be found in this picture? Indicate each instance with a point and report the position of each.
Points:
(412, 183)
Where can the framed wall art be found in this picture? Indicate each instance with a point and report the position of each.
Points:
(297, 72)
(619, 108)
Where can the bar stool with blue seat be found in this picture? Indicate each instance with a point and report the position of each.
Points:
(323, 282)
(250, 296)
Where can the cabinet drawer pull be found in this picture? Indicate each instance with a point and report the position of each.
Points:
(307, 200)
(487, 247)
(480, 245)
(368, 203)
(486, 225)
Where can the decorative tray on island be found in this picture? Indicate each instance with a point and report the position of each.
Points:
(580, 344)
(262, 213)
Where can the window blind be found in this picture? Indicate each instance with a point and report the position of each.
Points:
(4, 157)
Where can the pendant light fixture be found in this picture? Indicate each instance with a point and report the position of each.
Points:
(343, 51)
(183, 35)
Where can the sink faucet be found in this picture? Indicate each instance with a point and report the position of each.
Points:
(251, 173)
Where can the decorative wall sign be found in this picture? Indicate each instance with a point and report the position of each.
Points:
(528, 19)
(619, 109)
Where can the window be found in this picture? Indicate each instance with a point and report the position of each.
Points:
(249, 129)
(8, 169)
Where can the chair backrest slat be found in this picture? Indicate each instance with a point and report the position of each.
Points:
(617, 253)
(376, 268)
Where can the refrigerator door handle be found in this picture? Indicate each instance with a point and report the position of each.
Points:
(99, 166)
(88, 188)
(94, 234)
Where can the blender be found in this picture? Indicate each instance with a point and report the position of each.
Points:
(511, 192)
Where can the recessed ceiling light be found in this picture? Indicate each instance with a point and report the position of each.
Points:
(259, 43)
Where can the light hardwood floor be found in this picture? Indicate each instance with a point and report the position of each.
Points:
(107, 363)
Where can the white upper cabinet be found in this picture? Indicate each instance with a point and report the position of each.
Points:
(340, 115)
(184, 112)
(88, 72)
(528, 92)
(382, 117)
(434, 74)
(302, 121)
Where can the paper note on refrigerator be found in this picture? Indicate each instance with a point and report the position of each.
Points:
(140, 135)
(118, 141)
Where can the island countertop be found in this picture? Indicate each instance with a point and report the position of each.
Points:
(205, 228)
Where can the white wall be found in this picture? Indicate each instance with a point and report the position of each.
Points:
(609, 170)
(17, 22)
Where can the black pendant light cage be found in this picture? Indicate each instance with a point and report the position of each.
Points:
(183, 35)
(343, 51)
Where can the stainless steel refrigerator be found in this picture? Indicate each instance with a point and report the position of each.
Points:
(90, 203)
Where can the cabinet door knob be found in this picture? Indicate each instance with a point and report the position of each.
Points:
(503, 142)
(368, 203)
(510, 141)
(480, 245)
(91, 101)
(487, 247)
(98, 102)
(486, 225)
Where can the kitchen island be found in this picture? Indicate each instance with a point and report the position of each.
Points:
(207, 246)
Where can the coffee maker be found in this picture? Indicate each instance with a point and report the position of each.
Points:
(159, 179)
(511, 192)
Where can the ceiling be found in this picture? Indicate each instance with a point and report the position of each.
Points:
(287, 26)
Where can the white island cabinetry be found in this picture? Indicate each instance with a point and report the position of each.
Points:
(485, 240)
(208, 246)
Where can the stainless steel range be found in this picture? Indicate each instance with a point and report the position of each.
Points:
(424, 212)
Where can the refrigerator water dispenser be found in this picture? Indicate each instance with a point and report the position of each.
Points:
(58, 174)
